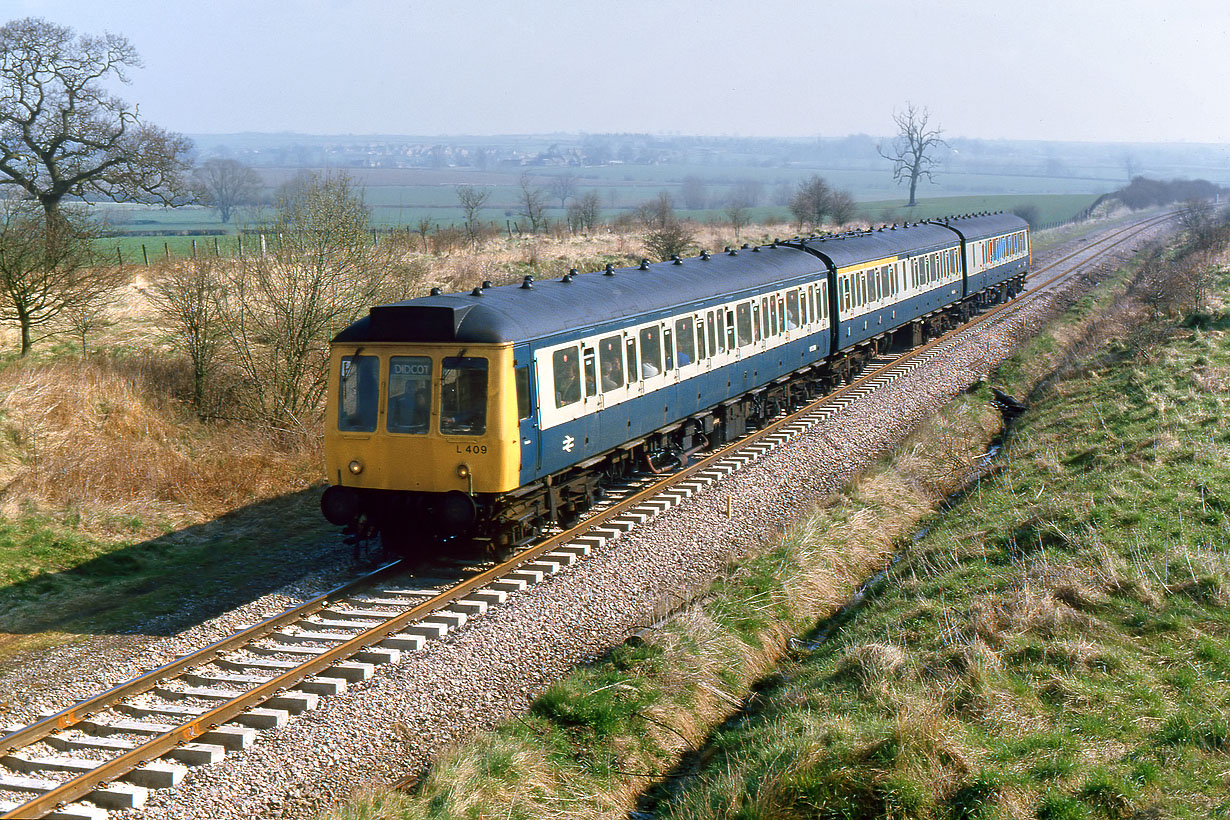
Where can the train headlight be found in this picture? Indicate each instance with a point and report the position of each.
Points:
(463, 471)
(355, 467)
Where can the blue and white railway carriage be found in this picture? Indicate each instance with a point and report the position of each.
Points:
(678, 339)
(889, 277)
(996, 253)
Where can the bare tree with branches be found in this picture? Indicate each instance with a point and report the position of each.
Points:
(533, 202)
(563, 187)
(224, 184)
(913, 150)
(320, 272)
(471, 199)
(46, 268)
(189, 298)
(62, 133)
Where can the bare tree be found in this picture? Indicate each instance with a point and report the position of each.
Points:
(320, 272)
(665, 234)
(913, 150)
(583, 213)
(46, 267)
(563, 187)
(695, 193)
(737, 215)
(533, 202)
(842, 207)
(811, 202)
(471, 200)
(225, 183)
(188, 297)
(62, 133)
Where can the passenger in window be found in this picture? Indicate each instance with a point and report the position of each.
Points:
(683, 358)
(648, 371)
(612, 374)
(567, 388)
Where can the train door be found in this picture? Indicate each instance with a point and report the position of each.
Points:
(527, 411)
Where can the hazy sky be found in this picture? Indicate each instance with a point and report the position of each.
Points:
(1121, 70)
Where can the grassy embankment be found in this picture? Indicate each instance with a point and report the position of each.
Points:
(1055, 646)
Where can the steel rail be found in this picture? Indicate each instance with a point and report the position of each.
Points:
(82, 785)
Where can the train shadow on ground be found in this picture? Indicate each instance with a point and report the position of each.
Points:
(163, 585)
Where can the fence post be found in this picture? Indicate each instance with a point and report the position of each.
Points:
(166, 250)
(119, 257)
(216, 251)
(194, 249)
(144, 254)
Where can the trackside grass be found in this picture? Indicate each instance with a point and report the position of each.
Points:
(1057, 645)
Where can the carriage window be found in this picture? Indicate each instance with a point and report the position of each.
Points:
(610, 361)
(773, 316)
(358, 394)
(685, 340)
(567, 370)
(713, 334)
(756, 316)
(463, 396)
(792, 310)
(524, 408)
(743, 321)
(632, 370)
(651, 353)
(409, 408)
(668, 347)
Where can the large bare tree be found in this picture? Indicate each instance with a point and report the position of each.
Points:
(913, 151)
(225, 183)
(62, 133)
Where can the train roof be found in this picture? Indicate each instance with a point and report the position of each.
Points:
(857, 247)
(514, 313)
(980, 226)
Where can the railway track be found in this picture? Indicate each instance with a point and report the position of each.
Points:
(143, 734)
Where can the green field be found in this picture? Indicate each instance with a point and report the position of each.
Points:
(405, 206)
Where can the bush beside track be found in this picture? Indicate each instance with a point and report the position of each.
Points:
(1053, 647)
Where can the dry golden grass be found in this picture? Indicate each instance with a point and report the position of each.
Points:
(103, 438)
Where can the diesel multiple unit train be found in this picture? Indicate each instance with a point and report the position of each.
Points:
(485, 416)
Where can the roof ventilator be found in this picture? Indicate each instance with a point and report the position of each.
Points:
(644, 265)
(704, 255)
(527, 283)
(436, 292)
(610, 270)
(675, 260)
(477, 292)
